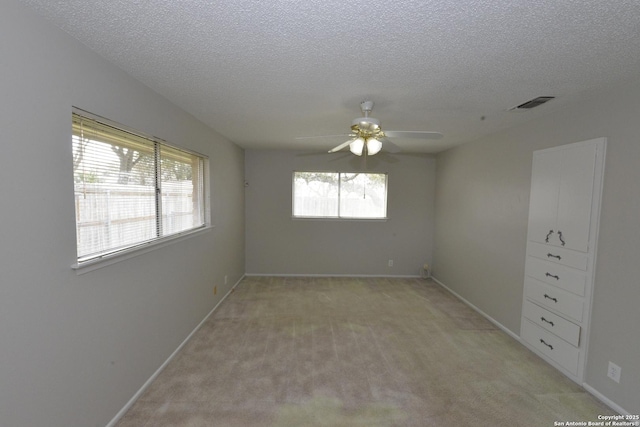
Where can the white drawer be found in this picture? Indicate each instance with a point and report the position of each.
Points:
(554, 348)
(566, 278)
(568, 331)
(558, 255)
(556, 299)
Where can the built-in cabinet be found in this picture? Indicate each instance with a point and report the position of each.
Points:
(564, 210)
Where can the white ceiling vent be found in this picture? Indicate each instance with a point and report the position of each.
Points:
(533, 103)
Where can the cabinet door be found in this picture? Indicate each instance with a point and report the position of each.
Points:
(575, 198)
(543, 203)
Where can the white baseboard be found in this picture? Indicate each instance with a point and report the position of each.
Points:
(485, 315)
(146, 385)
(605, 400)
(331, 275)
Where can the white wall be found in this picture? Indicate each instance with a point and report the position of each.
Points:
(75, 348)
(482, 199)
(278, 244)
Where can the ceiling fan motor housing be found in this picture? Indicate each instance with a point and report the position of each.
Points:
(366, 125)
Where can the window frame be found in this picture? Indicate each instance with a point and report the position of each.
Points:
(97, 260)
(339, 217)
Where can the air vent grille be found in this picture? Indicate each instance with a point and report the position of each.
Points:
(533, 103)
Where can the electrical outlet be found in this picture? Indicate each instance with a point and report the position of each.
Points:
(390, 263)
(614, 372)
(215, 290)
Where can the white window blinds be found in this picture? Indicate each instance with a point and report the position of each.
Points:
(131, 190)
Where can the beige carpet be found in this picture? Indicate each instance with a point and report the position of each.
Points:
(353, 352)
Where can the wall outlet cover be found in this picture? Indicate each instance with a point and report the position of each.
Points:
(614, 371)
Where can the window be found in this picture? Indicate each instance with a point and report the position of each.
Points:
(339, 195)
(131, 190)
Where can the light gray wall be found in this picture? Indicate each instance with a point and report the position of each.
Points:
(278, 244)
(75, 348)
(482, 197)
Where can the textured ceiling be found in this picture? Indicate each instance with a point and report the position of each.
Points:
(264, 72)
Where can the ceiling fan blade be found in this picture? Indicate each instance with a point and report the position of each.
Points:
(389, 146)
(412, 134)
(341, 146)
(323, 136)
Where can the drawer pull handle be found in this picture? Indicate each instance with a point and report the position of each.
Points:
(551, 275)
(552, 299)
(548, 234)
(545, 320)
(548, 345)
(560, 237)
(554, 256)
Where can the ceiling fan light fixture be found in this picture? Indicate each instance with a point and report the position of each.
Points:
(357, 146)
(373, 146)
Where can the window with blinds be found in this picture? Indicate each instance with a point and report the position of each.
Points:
(131, 190)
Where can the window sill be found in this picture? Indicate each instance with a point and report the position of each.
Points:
(320, 218)
(109, 259)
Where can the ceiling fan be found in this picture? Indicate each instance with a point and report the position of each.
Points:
(368, 138)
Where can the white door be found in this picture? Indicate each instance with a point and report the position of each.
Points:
(543, 202)
(575, 198)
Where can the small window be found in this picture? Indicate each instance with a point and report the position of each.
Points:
(339, 195)
(131, 190)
